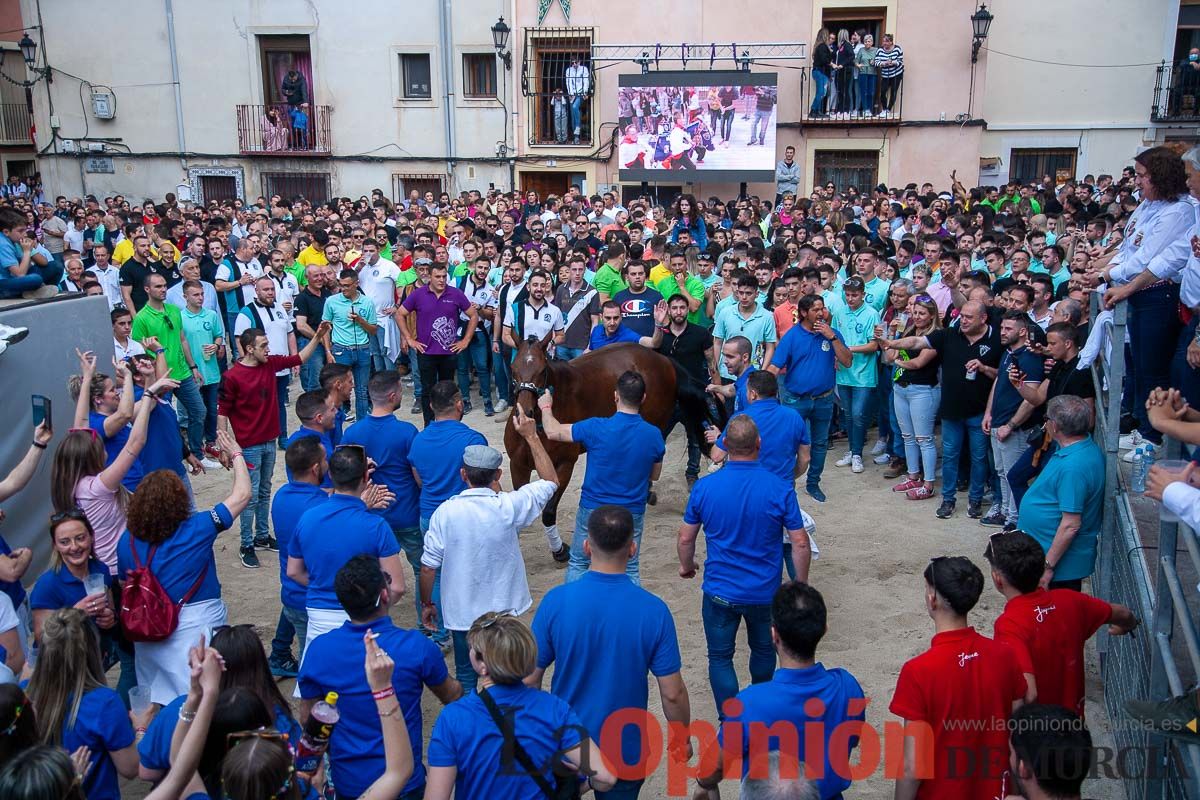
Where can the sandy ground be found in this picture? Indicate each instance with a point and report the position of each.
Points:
(874, 546)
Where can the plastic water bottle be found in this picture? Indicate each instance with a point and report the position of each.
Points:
(1148, 456)
(315, 739)
(1138, 478)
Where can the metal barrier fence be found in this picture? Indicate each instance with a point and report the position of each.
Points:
(1146, 579)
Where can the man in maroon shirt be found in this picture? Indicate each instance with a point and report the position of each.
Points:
(248, 406)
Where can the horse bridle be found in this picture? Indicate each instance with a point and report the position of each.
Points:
(533, 388)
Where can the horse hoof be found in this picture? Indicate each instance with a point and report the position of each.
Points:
(562, 554)
(652, 498)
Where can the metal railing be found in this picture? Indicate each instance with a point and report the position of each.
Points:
(1176, 93)
(1143, 666)
(842, 104)
(15, 124)
(269, 130)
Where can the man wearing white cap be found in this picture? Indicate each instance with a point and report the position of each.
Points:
(472, 538)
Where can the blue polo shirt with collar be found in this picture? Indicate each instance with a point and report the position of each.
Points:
(331, 534)
(740, 397)
(58, 588)
(1005, 397)
(113, 445)
(621, 453)
(326, 442)
(782, 431)
(808, 361)
(437, 455)
(743, 508)
(784, 699)
(1072, 482)
(289, 504)
(622, 334)
(334, 663)
(388, 442)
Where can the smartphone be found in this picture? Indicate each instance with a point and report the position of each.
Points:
(41, 411)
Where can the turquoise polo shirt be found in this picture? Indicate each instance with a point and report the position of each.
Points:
(337, 312)
(1072, 482)
(759, 328)
(877, 293)
(857, 327)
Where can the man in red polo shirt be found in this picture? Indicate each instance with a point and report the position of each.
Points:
(964, 688)
(1047, 628)
(248, 405)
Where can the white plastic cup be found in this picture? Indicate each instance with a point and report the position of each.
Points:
(139, 699)
(1170, 465)
(94, 584)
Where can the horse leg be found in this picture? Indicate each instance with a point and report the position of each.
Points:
(560, 550)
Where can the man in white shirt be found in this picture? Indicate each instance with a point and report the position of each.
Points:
(377, 280)
(579, 85)
(124, 345)
(265, 314)
(189, 268)
(286, 287)
(475, 286)
(107, 275)
(535, 316)
(473, 540)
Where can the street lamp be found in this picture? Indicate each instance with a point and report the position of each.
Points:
(500, 32)
(28, 48)
(981, 21)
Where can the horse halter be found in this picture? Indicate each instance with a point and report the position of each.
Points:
(533, 388)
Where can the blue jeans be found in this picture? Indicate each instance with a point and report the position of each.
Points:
(866, 93)
(821, 84)
(576, 108)
(189, 396)
(52, 273)
(1183, 377)
(956, 433)
(883, 404)
(310, 371)
(1023, 472)
(233, 348)
(404, 536)
(463, 670)
(721, 620)
(567, 353)
(209, 394)
(358, 358)
(818, 414)
(580, 563)
(1153, 337)
(15, 287)
(477, 353)
(856, 402)
(260, 460)
(762, 117)
(916, 412)
(622, 790)
(293, 624)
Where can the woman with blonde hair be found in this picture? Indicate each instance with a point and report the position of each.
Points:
(75, 708)
(916, 397)
(469, 740)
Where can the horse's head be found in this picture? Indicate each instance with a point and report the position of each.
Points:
(531, 372)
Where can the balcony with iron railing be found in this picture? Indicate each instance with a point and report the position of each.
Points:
(272, 130)
(15, 124)
(1176, 93)
(832, 102)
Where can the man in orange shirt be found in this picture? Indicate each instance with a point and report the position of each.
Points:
(785, 312)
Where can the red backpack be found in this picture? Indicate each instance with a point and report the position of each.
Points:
(148, 614)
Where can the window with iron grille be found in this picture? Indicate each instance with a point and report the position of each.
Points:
(1029, 164)
(217, 187)
(416, 82)
(843, 168)
(479, 75)
(549, 53)
(312, 186)
(403, 183)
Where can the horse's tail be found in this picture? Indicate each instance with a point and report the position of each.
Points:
(697, 405)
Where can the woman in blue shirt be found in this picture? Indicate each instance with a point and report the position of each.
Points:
(177, 547)
(75, 708)
(72, 561)
(465, 751)
(689, 217)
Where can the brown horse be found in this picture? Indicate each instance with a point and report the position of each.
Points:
(583, 388)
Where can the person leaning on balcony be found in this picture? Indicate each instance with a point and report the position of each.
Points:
(1187, 83)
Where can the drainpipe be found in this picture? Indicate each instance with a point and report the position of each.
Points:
(447, 46)
(179, 130)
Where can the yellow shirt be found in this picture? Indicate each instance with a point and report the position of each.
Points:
(310, 255)
(124, 250)
(658, 273)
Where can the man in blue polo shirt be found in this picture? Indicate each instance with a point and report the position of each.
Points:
(735, 358)
(316, 413)
(625, 455)
(742, 508)
(622, 618)
(308, 469)
(612, 330)
(808, 355)
(356, 746)
(802, 693)
(327, 536)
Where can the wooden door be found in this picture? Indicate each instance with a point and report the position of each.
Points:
(544, 183)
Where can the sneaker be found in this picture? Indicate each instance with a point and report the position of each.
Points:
(922, 492)
(284, 668)
(11, 335)
(249, 557)
(266, 543)
(856, 465)
(488, 411)
(467, 408)
(1010, 526)
(691, 480)
(816, 494)
(40, 293)
(563, 554)
(1131, 441)
(501, 406)
(895, 469)
(880, 447)
(974, 509)
(994, 519)
(416, 407)
(904, 486)
(1175, 718)
(881, 459)
(945, 510)
(208, 463)
(844, 461)
(351, 417)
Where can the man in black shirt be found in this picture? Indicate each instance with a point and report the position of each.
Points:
(137, 268)
(690, 345)
(308, 309)
(970, 353)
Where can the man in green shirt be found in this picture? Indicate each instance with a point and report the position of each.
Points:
(609, 279)
(683, 283)
(471, 251)
(162, 322)
(204, 333)
(855, 320)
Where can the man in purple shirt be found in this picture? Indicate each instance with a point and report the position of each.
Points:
(439, 340)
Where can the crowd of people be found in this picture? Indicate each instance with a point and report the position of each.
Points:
(812, 320)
